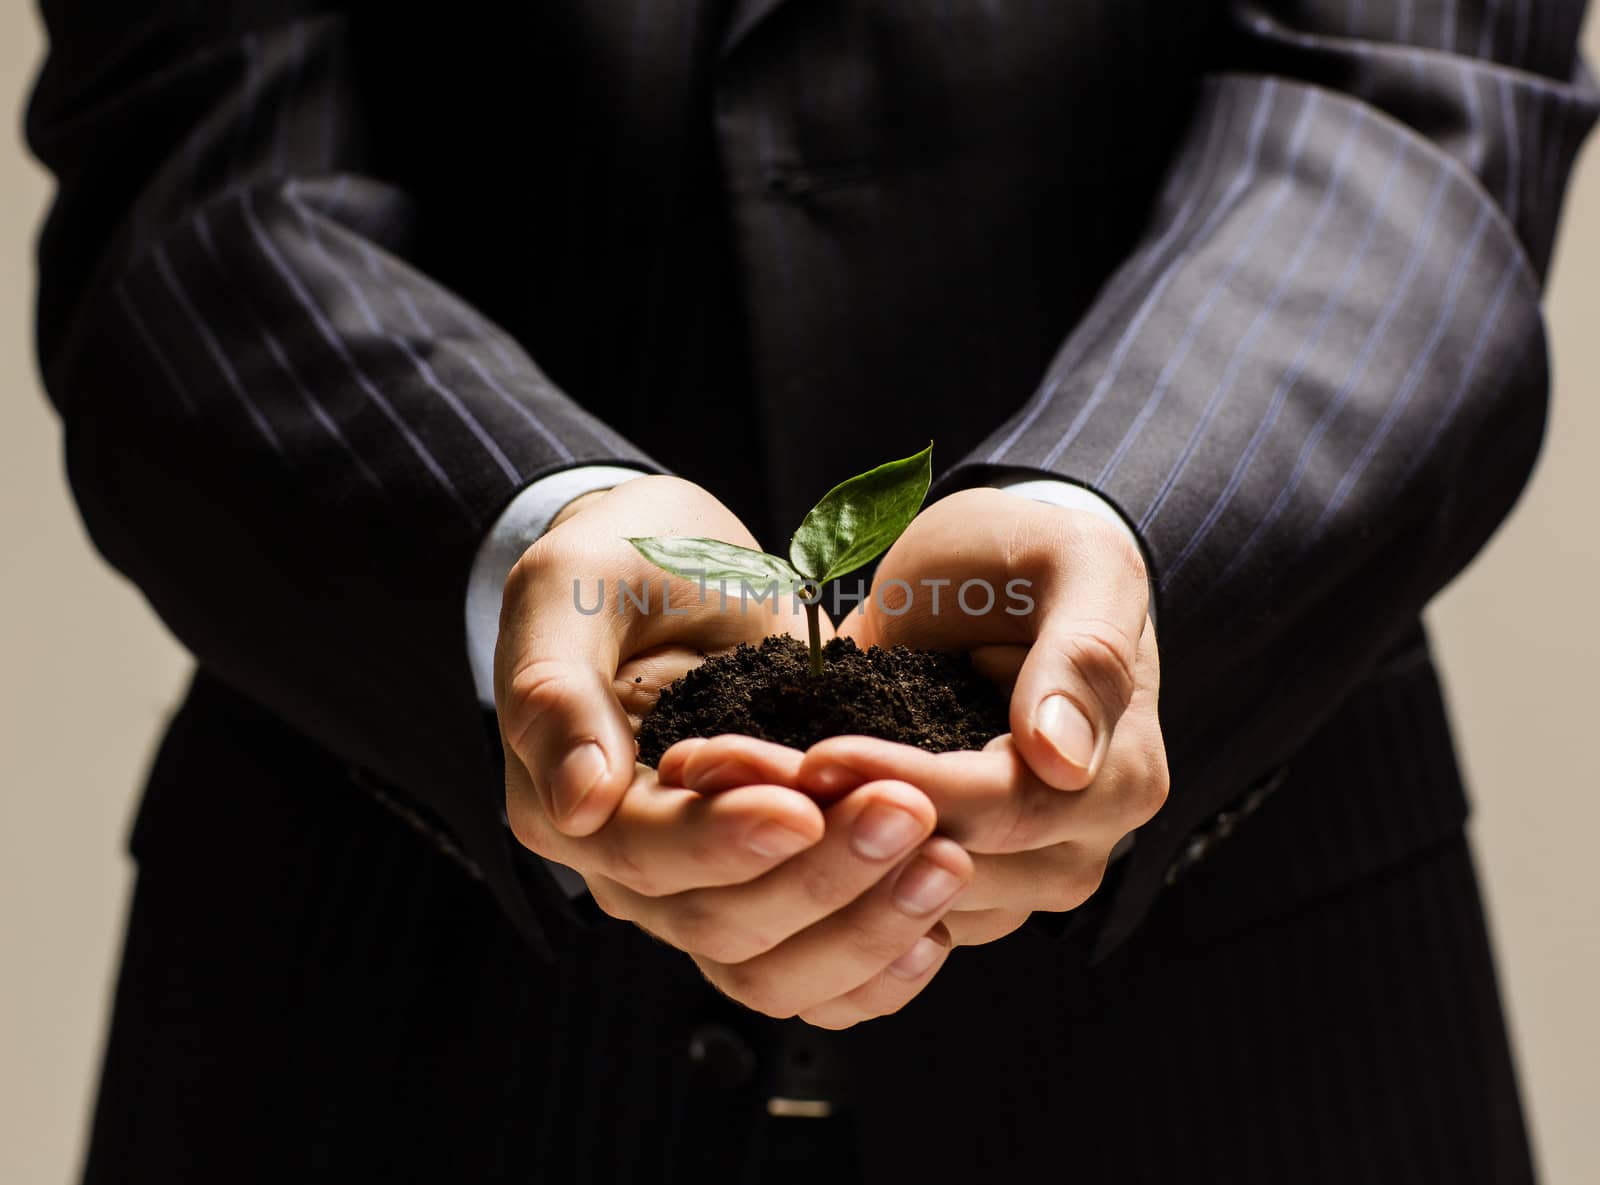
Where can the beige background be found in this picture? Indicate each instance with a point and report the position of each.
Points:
(87, 676)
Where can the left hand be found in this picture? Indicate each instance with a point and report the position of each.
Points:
(1074, 653)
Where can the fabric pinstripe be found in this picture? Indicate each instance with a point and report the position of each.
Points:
(327, 283)
(1456, 338)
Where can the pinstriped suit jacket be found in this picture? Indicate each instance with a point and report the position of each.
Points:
(325, 284)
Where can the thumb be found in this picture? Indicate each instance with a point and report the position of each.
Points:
(1073, 687)
(559, 713)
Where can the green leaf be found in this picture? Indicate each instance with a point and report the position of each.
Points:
(857, 520)
(714, 561)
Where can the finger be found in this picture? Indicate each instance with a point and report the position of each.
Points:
(848, 948)
(867, 834)
(982, 926)
(891, 989)
(559, 715)
(669, 770)
(1081, 673)
(1054, 879)
(988, 800)
(663, 841)
(729, 760)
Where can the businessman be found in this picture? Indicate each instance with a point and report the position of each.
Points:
(372, 329)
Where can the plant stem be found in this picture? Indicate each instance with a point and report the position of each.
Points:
(814, 620)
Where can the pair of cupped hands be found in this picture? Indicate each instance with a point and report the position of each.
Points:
(831, 884)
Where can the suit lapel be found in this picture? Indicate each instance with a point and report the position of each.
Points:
(744, 17)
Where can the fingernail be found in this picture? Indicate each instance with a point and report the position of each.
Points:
(1066, 730)
(723, 775)
(918, 959)
(774, 839)
(924, 887)
(831, 779)
(882, 831)
(579, 772)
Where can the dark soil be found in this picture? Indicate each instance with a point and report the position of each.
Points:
(934, 701)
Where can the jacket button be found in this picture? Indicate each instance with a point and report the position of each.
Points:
(722, 1054)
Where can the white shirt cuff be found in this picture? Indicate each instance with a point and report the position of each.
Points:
(519, 526)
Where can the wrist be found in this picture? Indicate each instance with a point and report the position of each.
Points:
(577, 505)
(525, 519)
(1067, 495)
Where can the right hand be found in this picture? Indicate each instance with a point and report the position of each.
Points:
(571, 683)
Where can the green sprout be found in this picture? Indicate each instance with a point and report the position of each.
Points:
(854, 524)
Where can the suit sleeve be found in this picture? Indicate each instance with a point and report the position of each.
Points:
(1319, 382)
(288, 437)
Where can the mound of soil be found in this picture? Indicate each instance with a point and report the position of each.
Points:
(934, 701)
